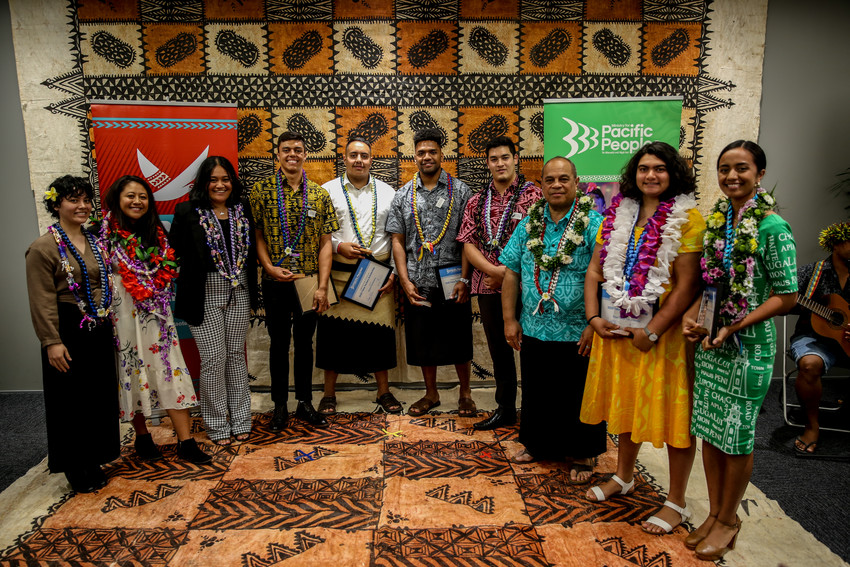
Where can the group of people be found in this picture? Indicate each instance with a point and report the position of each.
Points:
(603, 308)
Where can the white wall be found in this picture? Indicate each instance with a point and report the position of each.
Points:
(805, 114)
(20, 363)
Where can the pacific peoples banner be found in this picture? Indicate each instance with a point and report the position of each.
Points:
(600, 134)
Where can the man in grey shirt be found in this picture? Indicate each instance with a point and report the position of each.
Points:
(424, 220)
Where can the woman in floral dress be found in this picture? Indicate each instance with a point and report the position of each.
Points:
(750, 257)
(647, 260)
(152, 374)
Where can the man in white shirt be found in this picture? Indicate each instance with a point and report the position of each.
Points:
(352, 339)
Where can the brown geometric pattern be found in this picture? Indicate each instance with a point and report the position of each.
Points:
(371, 489)
(430, 459)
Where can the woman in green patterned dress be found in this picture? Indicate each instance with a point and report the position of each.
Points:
(756, 280)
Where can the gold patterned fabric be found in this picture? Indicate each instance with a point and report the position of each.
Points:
(264, 206)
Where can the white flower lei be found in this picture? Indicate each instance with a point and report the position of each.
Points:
(613, 269)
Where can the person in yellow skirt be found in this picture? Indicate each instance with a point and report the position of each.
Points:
(646, 262)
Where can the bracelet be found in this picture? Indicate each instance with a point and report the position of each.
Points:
(463, 281)
(591, 319)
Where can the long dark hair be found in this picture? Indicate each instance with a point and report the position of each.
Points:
(146, 227)
(681, 177)
(199, 196)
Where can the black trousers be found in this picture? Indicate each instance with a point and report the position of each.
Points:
(553, 377)
(504, 367)
(285, 321)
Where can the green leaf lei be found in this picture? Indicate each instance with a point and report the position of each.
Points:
(573, 235)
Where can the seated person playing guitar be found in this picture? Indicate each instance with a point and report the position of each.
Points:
(821, 338)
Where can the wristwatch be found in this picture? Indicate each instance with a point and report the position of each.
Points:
(464, 281)
(650, 335)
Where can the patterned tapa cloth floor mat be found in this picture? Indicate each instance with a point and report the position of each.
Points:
(371, 489)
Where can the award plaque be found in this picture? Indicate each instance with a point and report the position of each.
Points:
(709, 312)
(366, 281)
(447, 277)
(306, 286)
(612, 314)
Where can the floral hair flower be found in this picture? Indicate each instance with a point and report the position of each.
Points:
(51, 194)
(834, 234)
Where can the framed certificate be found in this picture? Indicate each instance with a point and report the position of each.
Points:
(368, 277)
(306, 287)
(447, 277)
(709, 311)
(611, 313)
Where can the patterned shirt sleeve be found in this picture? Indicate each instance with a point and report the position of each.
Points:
(467, 225)
(255, 198)
(511, 256)
(395, 220)
(780, 253)
(692, 233)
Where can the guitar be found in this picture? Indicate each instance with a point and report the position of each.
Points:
(830, 320)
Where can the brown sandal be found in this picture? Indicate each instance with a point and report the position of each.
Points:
(327, 405)
(422, 407)
(389, 403)
(466, 408)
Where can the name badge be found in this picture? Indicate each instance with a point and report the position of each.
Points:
(440, 203)
(516, 216)
(311, 213)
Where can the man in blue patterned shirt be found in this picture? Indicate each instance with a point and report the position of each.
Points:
(547, 257)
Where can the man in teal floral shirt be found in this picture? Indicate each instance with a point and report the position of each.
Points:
(546, 258)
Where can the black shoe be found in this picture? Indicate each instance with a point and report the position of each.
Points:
(97, 477)
(280, 418)
(306, 412)
(499, 418)
(146, 449)
(188, 450)
(80, 481)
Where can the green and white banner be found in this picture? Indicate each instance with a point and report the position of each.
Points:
(600, 134)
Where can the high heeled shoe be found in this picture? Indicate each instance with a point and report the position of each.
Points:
(708, 552)
(693, 539)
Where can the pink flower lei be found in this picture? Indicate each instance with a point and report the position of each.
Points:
(654, 256)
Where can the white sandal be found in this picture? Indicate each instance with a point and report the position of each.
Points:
(656, 521)
(625, 488)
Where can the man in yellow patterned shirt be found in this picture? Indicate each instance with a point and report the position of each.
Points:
(294, 220)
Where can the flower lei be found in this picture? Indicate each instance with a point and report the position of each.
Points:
(572, 238)
(651, 257)
(92, 314)
(146, 274)
(426, 244)
(228, 266)
(353, 214)
(483, 222)
(289, 241)
(734, 264)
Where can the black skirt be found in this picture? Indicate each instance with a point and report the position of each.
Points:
(553, 376)
(440, 335)
(81, 404)
(354, 347)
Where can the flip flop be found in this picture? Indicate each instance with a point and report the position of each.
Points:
(466, 408)
(803, 452)
(327, 405)
(580, 468)
(421, 407)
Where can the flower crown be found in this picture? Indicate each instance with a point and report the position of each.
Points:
(834, 234)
